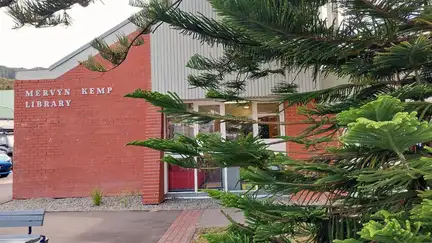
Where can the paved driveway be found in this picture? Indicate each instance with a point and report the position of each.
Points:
(6, 189)
(103, 227)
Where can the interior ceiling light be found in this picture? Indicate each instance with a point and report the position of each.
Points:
(235, 102)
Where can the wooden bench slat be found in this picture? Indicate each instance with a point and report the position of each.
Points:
(19, 238)
(20, 223)
(24, 212)
(22, 217)
(28, 218)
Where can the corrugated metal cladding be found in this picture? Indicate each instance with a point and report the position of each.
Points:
(171, 50)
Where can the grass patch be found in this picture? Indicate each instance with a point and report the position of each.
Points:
(198, 237)
(97, 195)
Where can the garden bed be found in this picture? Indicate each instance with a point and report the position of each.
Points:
(198, 236)
(122, 203)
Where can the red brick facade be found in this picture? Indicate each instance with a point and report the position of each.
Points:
(298, 151)
(295, 150)
(68, 151)
(79, 144)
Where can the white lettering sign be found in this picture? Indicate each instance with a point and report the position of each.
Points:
(60, 92)
(96, 91)
(29, 93)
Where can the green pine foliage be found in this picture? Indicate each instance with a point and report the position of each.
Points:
(402, 227)
(376, 170)
(43, 13)
(274, 37)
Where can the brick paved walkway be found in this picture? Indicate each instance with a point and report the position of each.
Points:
(183, 228)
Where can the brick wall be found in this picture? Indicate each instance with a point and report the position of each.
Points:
(299, 152)
(295, 150)
(68, 151)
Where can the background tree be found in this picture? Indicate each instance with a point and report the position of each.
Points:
(6, 84)
(42, 13)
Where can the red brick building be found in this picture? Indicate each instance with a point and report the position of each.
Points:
(71, 124)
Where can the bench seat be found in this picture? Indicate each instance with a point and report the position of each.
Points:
(24, 218)
(20, 238)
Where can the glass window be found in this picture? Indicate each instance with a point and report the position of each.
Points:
(4, 157)
(3, 140)
(268, 112)
(213, 126)
(209, 176)
(233, 130)
(174, 127)
(11, 140)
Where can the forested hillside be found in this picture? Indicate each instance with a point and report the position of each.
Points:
(6, 72)
(7, 75)
(6, 84)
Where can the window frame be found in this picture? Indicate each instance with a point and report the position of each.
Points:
(195, 106)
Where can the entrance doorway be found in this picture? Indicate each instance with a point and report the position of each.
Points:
(210, 178)
(228, 179)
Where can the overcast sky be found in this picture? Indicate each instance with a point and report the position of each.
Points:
(29, 47)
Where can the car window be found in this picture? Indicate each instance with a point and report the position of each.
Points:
(3, 140)
(11, 140)
(3, 157)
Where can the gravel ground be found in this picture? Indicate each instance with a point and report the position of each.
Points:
(130, 203)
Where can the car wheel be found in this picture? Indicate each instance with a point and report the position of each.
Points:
(4, 176)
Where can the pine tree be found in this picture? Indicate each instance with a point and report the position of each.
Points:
(377, 182)
(43, 13)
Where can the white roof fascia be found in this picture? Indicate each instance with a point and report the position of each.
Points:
(72, 60)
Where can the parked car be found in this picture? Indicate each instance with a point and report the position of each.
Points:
(5, 165)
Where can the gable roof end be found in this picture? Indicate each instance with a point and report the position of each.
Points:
(81, 54)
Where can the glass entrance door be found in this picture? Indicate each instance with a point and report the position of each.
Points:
(210, 178)
(179, 179)
(233, 131)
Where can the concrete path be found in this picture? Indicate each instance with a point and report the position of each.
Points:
(103, 227)
(215, 218)
(184, 227)
(131, 227)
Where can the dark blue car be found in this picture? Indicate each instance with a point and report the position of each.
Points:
(5, 165)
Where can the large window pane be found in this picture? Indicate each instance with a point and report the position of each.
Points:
(268, 112)
(174, 128)
(210, 176)
(234, 130)
(213, 126)
(179, 179)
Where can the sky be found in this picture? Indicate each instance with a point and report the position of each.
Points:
(29, 47)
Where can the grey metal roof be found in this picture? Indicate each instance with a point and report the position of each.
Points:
(88, 45)
(72, 60)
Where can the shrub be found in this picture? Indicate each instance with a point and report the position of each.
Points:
(97, 195)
